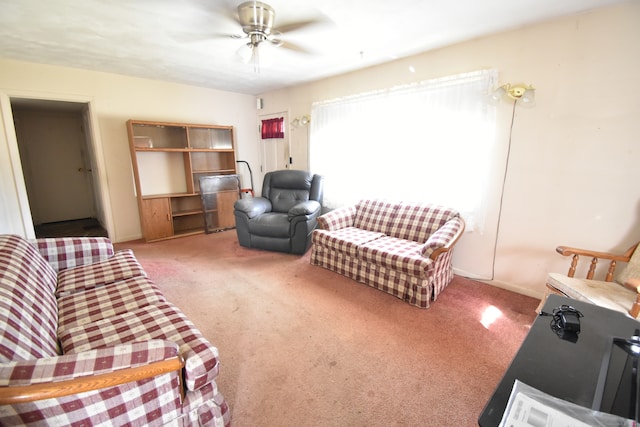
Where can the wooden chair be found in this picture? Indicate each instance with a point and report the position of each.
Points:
(617, 292)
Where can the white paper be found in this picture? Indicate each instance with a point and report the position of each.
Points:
(529, 407)
(527, 412)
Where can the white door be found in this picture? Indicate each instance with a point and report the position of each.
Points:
(275, 152)
(52, 151)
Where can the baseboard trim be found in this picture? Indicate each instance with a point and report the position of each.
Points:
(533, 293)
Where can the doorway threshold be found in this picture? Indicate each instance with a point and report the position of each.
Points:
(86, 227)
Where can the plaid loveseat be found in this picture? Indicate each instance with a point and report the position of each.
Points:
(403, 249)
(86, 338)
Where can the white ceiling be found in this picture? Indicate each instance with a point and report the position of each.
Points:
(187, 41)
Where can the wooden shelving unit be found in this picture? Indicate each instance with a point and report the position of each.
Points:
(168, 160)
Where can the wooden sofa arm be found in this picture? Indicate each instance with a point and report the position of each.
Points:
(29, 393)
(451, 241)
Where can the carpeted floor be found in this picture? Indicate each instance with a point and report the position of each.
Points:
(302, 346)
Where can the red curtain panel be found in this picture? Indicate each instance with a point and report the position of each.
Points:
(273, 128)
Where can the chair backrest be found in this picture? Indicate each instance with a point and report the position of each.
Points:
(286, 188)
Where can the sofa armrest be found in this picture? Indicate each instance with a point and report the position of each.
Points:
(253, 207)
(337, 218)
(38, 379)
(443, 239)
(307, 208)
(68, 252)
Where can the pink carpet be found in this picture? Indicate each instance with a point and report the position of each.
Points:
(303, 346)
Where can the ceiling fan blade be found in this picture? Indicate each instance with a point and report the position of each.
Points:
(295, 26)
(295, 47)
(211, 37)
(228, 11)
(216, 21)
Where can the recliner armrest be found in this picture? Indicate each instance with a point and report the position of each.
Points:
(253, 207)
(309, 207)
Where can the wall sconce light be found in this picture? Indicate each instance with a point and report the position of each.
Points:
(301, 121)
(523, 94)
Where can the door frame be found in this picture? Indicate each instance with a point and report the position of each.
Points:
(80, 202)
(101, 186)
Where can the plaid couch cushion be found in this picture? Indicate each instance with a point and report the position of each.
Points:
(123, 265)
(162, 321)
(339, 262)
(375, 215)
(417, 221)
(345, 240)
(110, 300)
(28, 311)
(397, 254)
(74, 366)
(69, 252)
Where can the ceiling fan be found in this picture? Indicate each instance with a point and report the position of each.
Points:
(257, 21)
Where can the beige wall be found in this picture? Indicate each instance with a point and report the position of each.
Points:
(572, 176)
(113, 99)
(572, 173)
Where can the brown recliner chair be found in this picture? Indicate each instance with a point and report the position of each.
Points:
(284, 217)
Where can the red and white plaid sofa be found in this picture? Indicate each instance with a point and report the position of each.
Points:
(86, 338)
(403, 249)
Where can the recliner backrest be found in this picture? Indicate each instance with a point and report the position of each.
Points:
(286, 188)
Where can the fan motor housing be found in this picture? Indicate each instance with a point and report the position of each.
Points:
(255, 17)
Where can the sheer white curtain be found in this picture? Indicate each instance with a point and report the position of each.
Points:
(427, 142)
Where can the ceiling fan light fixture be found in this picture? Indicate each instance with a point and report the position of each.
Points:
(245, 52)
(260, 55)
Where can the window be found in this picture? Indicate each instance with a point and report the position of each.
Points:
(429, 142)
(273, 128)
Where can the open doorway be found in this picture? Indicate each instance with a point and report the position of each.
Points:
(56, 157)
